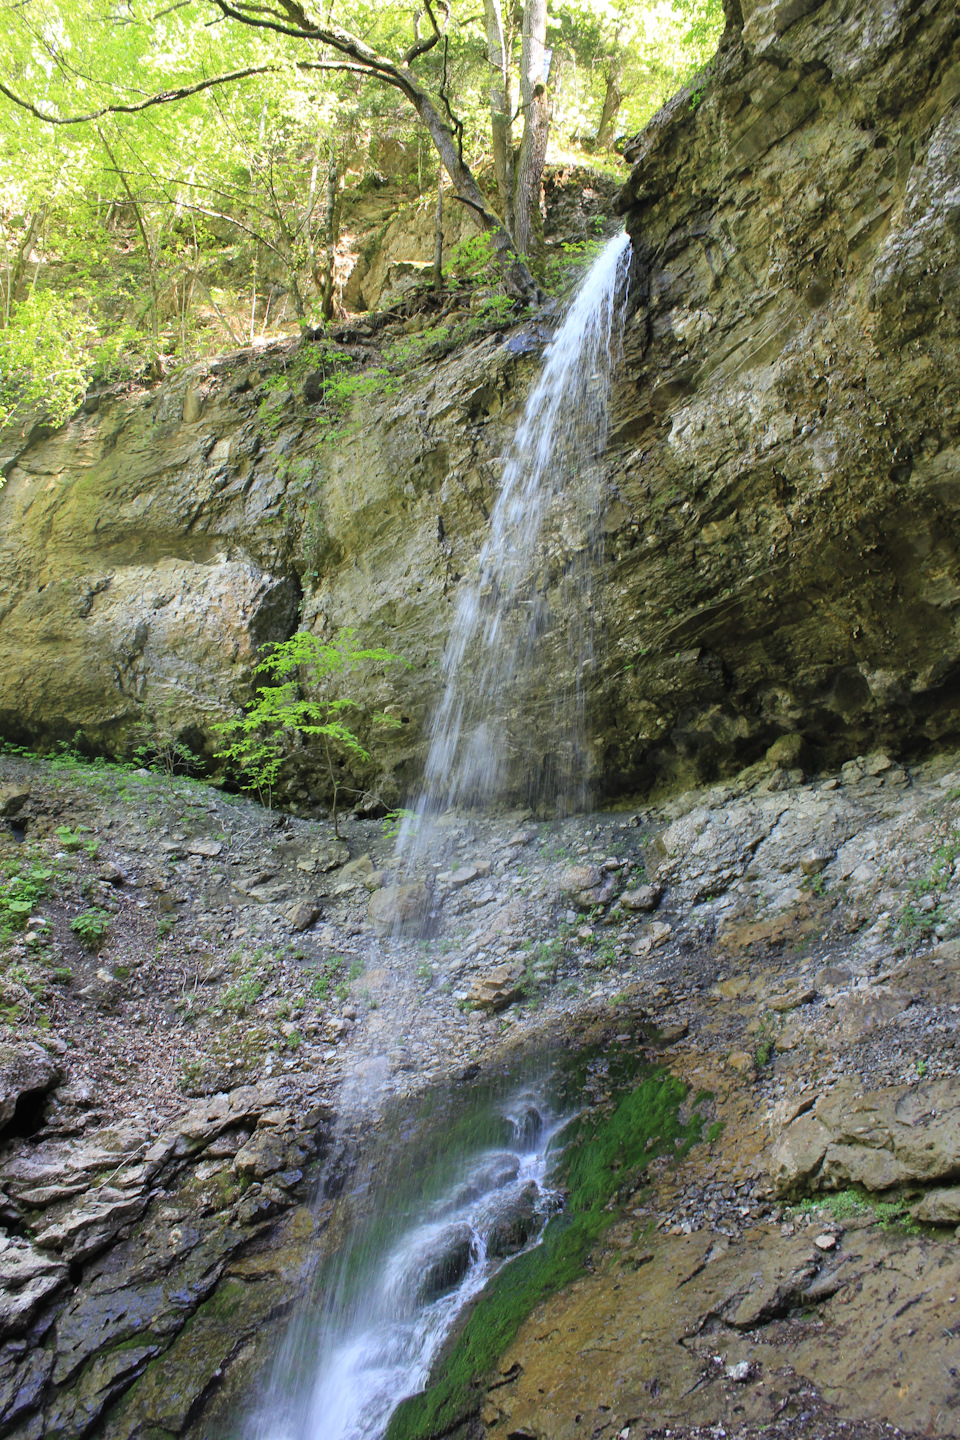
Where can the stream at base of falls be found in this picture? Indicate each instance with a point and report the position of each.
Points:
(446, 1198)
(446, 1222)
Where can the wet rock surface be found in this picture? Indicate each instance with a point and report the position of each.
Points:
(817, 1005)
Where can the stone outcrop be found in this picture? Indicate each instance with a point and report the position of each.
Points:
(903, 1136)
(790, 465)
(781, 479)
(27, 1075)
(151, 1242)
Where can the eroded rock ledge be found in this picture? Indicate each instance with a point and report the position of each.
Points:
(794, 464)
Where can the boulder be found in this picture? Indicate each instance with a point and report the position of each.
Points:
(643, 898)
(447, 1261)
(577, 878)
(492, 1173)
(587, 885)
(12, 799)
(27, 1279)
(902, 1135)
(27, 1074)
(302, 915)
(93, 1224)
(400, 907)
(497, 989)
(940, 1207)
(516, 1224)
(263, 1154)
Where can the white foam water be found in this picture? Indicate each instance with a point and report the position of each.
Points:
(391, 1302)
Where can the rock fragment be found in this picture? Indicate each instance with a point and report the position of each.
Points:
(401, 906)
(497, 989)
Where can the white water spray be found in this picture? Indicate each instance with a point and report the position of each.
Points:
(388, 1307)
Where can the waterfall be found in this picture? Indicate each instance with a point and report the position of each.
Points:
(423, 1246)
(543, 527)
(426, 1231)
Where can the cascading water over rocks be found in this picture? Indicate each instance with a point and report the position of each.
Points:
(405, 1274)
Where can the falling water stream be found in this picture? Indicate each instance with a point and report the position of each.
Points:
(424, 1235)
(544, 525)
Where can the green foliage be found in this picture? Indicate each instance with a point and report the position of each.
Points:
(91, 927)
(45, 357)
(20, 896)
(920, 918)
(243, 993)
(257, 743)
(851, 1204)
(148, 238)
(395, 819)
(471, 259)
(567, 261)
(540, 967)
(159, 746)
(603, 1157)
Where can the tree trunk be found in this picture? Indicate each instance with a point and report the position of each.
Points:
(512, 265)
(612, 100)
(16, 272)
(536, 120)
(438, 239)
(331, 233)
(501, 107)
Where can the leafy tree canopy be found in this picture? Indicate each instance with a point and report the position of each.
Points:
(163, 227)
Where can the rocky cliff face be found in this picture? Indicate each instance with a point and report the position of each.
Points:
(790, 463)
(783, 481)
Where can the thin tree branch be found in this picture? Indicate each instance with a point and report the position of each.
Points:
(422, 43)
(456, 123)
(167, 97)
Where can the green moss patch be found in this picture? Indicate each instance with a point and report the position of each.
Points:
(604, 1157)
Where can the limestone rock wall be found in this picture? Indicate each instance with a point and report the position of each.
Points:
(149, 549)
(790, 468)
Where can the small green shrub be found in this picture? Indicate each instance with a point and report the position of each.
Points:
(90, 927)
(395, 819)
(243, 993)
(853, 1204)
(257, 743)
(471, 259)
